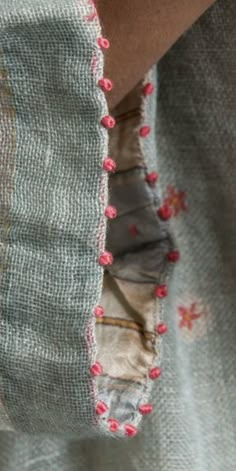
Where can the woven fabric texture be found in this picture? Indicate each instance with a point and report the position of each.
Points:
(53, 192)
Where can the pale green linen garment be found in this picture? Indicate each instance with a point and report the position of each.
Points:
(53, 195)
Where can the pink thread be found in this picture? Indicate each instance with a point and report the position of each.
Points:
(161, 291)
(154, 373)
(103, 43)
(133, 229)
(113, 425)
(108, 122)
(94, 14)
(109, 165)
(111, 212)
(162, 329)
(144, 131)
(173, 256)
(165, 213)
(130, 430)
(106, 258)
(106, 84)
(148, 89)
(101, 408)
(94, 64)
(146, 409)
(152, 177)
(99, 311)
(96, 369)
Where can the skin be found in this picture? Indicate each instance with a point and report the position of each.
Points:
(140, 33)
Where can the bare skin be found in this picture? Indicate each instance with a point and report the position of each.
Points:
(140, 33)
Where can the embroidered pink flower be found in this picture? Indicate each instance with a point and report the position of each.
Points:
(176, 200)
(188, 315)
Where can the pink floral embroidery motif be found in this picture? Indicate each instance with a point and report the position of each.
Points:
(188, 315)
(176, 200)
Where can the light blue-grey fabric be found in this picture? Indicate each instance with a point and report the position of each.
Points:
(52, 148)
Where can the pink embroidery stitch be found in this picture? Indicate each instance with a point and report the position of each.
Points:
(152, 178)
(113, 425)
(162, 329)
(101, 408)
(111, 212)
(188, 315)
(103, 43)
(94, 64)
(94, 14)
(106, 258)
(144, 131)
(96, 369)
(108, 122)
(176, 200)
(130, 430)
(99, 311)
(165, 212)
(154, 373)
(105, 84)
(161, 291)
(145, 409)
(173, 256)
(148, 89)
(109, 165)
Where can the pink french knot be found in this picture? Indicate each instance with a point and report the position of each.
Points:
(162, 329)
(96, 369)
(154, 373)
(144, 131)
(108, 122)
(130, 430)
(99, 311)
(111, 212)
(152, 177)
(109, 165)
(173, 256)
(113, 425)
(148, 89)
(161, 291)
(145, 409)
(101, 408)
(165, 212)
(105, 84)
(106, 258)
(103, 43)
